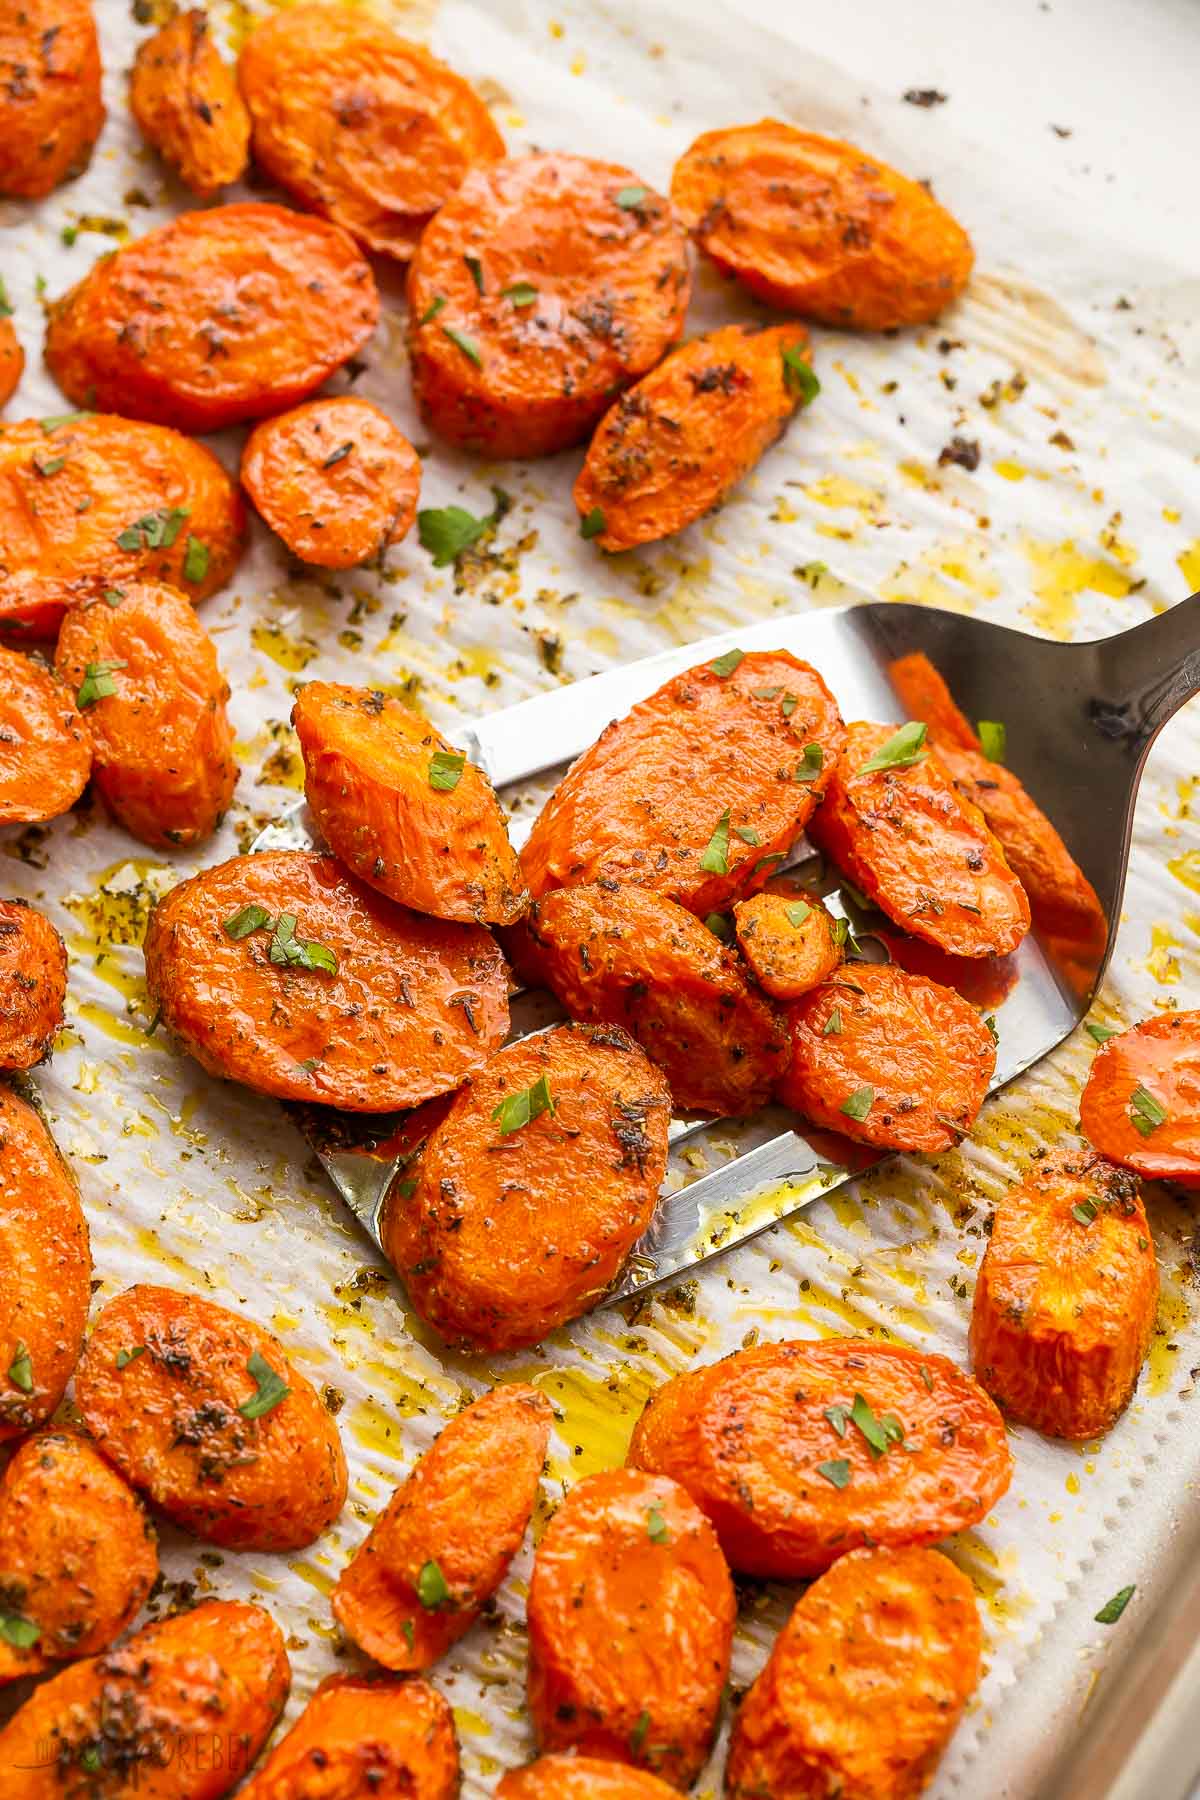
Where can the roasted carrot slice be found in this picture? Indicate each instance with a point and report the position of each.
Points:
(403, 809)
(580, 1778)
(986, 981)
(545, 286)
(631, 1612)
(1141, 1104)
(817, 227)
(186, 1704)
(865, 1684)
(888, 1058)
(700, 790)
(153, 333)
(1066, 1298)
(145, 677)
(364, 1737)
(185, 99)
(99, 500)
(33, 984)
(925, 695)
(893, 820)
(791, 943)
(202, 1411)
(334, 479)
(528, 1197)
(360, 124)
(45, 1270)
(77, 1554)
(45, 750)
(443, 1544)
(798, 1452)
(12, 357)
(283, 973)
(51, 112)
(675, 444)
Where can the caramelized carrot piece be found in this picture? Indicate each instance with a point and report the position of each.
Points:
(791, 943)
(201, 1410)
(1141, 1104)
(45, 750)
(185, 100)
(631, 1613)
(12, 357)
(443, 1544)
(33, 984)
(925, 696)
(51, 112)
(580, 1778)
(363, 1737)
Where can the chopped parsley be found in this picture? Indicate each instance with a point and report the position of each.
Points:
(835, 1472)
(989, 1020)
(125, 1357)
(59, 420)
(993, 739)
(97, 683)
(195, 562)
(592, 524)
(1102, 1033)
(798, 376)
(154, 531)
(797, 913)
(446, 531)
(725, 665)
(21, 1633)
(248, 918)
(5, 303)
(521, 293)
(433, 1590)
(880, 1434)
(1112, 1609)
(637, 1736)
(475, 268)
(810, 764)
(270, 1388)
(299, 953)
(1085, 1211)
(45, 469)
(715, 859)
(630, 198)
(462, 342)
(859, 1104)
(1146, 1113)
(410, 1633)
(718, 924)
(656, 1527)
(445, 769)
(433, 309)
(904, 748)
(833, 1024)
(839, 1417)
(517, 1110)
(20, 1369)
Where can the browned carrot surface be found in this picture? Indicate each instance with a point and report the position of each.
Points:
(33, 984)
(580, 1778)
(12, 358)
(51, 112)
(185, 99)
(45, 749)
(789, 940)
(1141, 1104)
(364, 1737)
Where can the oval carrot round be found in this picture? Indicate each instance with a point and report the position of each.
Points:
(185, 99)
(33, 984)
(99, 500)
(1141, 1104)
(411, 1006)
(925, 695)
(986, 981)
(676, 443)
(699, 791)
(145, 677)
(184, 1706)
(1067, 1296)
(51, 112)
(542, 288)
(45, 750)
(798, 1452)
(364, 1737)
(219, 315)
(334, 479)
(631, 1613)
(790, 942)
(917, 849)
(404, 810)
(628, 956)
(888, 1058)
(865, 1684)
(12, 359)
(201, 1410)
(580, 1778)
(360, 124)
(444, 1542)
(530, 1194)
(819, 228)
(77, 1553)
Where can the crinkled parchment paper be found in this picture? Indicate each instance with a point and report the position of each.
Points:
(1068, 364)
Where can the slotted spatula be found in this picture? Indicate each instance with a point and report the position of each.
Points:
(1080, 719)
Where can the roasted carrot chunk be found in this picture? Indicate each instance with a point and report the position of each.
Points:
(360, 124)
(45, 750)
(283, 973)
(528, 1197)
(540, 290)
(1066, 1297)
(925, 696)
(700, 790)
(443, 1543)
(798, 1452)
(94, 501)
(12, 357)
(188, 1702)
(1141, 1104)
(201, 1410)
(628, 956)
(77, 1554)
(334, 479)
(791, 943)
(185, 99)
(888, 1058)
(580, 1778)
(986, 981)
(45, 1270)
(151, 331)
(819, 228)
(364, 1737)
(675, 444)
(403, 809)
(893, 820)
(865, 1684)
(51, 112)
(631, 1612)
(145, 677)
(33, 984)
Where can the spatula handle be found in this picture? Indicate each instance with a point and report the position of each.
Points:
(1146, 674)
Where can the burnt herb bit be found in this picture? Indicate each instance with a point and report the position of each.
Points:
(592, 524)
(21, 1633)
(1112, 1609)
(960, 450)
(993, 738)
(1102, 1033)
(904, 748)
(630, 198)
(521, 293)
(836, 1472)
(445, 769)
(433, 1590)
(195, 561)
(656, 1527)
(97, 683)
(270, 1388)
(715, 859)
(446, 531)
(880, 1434)
(125, 1357)
(299, 953)
(338, 455)
(810, 764)
(432, 310)
(248, 918)
(1146, 1113)
(726, 664)
(798, 376)
(20, 1369)
(461, 341)
(517, 1110)
(859, 1104)
(154, 531)
(925, 96)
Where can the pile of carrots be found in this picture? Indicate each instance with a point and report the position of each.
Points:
(655, 898)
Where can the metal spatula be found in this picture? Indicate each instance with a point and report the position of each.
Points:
(1080, 719)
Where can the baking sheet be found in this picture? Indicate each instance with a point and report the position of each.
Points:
(1073, 364)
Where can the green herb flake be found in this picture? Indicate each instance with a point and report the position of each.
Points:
(839, 1417)
(20, 1369)
(592, 524)
(521, 293)
(1085, 1212)
(58, 420)
(97, 683)
(6, 311)
(409, 1631)
(517, 1110)
(798, 376)
(461, 341)
(248, 918)
(656, 1527)
(748, 834)
(715, 860)
(125, 1357)
(993, 739)
(926, 1377)
(113, 597)
(45, 469)
(1102, 1033)
(338, 455)
(810, 764)
(989, 1020)
(21, 1633)
(475, 268)
(836, 1472)
(797, 913)
(859, 1104)
(788, 705)
(445, 769)
(902, 750)
(765, 693)
(880, 1434)
(764, 862)
(833, 1026)
(195, 562)
(433, 309)
(719, 925)
(433, 1590)
(637, 1736)
(725, 665)
(1112, 1609)
(630, 198)
(1146, 1113)
(154, 531)
(446, 531)
(299, 953)
(270, 1388)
